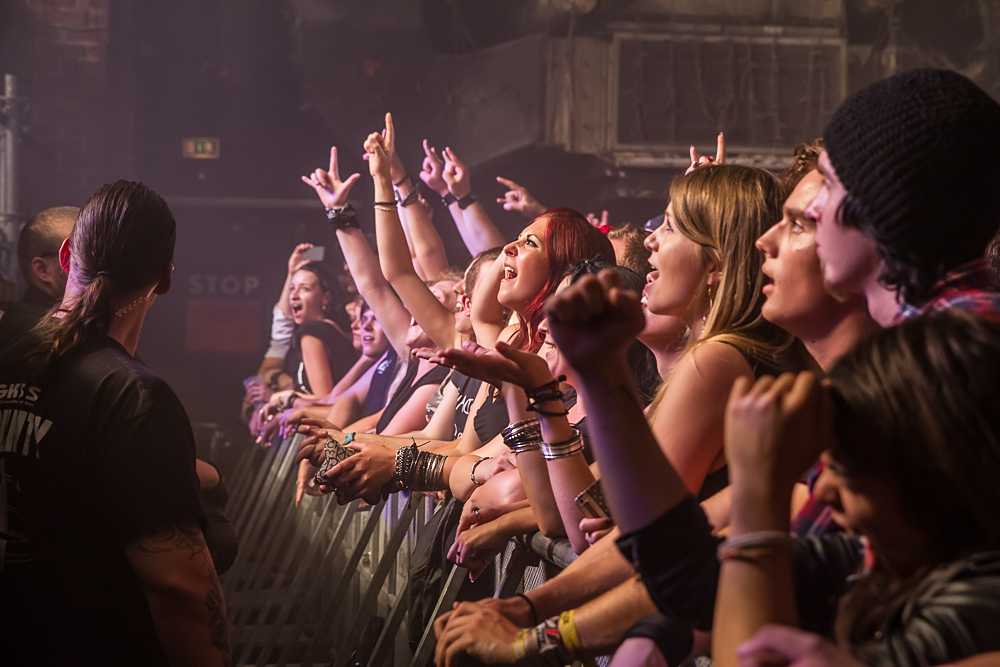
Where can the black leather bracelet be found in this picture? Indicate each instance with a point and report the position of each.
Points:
(534, 612)
(449, 199)
(467, 201)
(343, 218)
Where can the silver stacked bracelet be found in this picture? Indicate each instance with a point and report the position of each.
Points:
(524, 436)
(419, 471)
(561, 450)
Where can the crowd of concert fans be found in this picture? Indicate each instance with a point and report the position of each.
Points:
(767, 423)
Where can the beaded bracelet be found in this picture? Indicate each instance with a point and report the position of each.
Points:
(472, 473)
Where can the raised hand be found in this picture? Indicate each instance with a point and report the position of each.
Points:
(720, 155)
(594, 321)
(506, 364)
(601, 222)
(432, 173)
(295, 261)
(456, 174)
(776, 428)
(517, 198)
(329, 188)
(380, 150)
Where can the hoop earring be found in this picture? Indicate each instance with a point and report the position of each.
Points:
(704, 317)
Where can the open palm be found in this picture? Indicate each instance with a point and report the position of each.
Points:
(505, 364)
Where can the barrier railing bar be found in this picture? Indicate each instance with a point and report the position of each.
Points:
(304, 574)
(387, 638)
(271, 459)
(387, 561)
(256, 580)
(239, 482)
(449, 593)
(332, 605)
(264, 505)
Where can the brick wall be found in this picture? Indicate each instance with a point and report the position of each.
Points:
(76, 74)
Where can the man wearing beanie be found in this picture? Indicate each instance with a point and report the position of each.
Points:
(908, 206)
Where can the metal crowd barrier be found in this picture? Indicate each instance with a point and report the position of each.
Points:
(327, 584)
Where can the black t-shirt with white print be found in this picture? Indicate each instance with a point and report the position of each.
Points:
(96, 452)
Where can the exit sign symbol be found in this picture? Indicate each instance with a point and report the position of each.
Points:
(200, 148)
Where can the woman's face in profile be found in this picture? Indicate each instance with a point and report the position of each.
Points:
(679, 271)
(525, 267)
(306, 297)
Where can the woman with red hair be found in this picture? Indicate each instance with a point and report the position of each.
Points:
(535, 263)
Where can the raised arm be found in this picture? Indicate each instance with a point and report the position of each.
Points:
(425, 243)
(361, 261)
(176, 572)
(480, 232)
(775, 429)
(517, 198)
(435, 319)
(432, 174)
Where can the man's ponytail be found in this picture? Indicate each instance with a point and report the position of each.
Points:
(122, 242)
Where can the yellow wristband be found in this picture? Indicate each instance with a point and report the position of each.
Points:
(519, 653)
(570, 637)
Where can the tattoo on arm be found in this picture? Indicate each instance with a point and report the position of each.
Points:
(218, 623)
(187, 537)
(163, 539)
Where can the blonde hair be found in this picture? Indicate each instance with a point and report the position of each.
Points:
(725, 209)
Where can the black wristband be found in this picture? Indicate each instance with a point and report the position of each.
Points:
(534, 612)
(343, 218)
(449, 199)
(402, 180)
(387, 203)
(467, 201)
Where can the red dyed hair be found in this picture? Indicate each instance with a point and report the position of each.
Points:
(568, 238)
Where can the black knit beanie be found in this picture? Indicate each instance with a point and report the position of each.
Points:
(919, 155)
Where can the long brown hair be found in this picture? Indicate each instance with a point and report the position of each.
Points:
(122, 242)
(725, 209)
(917, 408)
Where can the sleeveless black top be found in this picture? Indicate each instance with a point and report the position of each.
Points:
(378, 390)
(410, 384)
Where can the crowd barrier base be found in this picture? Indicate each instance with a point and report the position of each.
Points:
(325, 584)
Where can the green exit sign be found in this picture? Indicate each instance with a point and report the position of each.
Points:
(200, 148)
